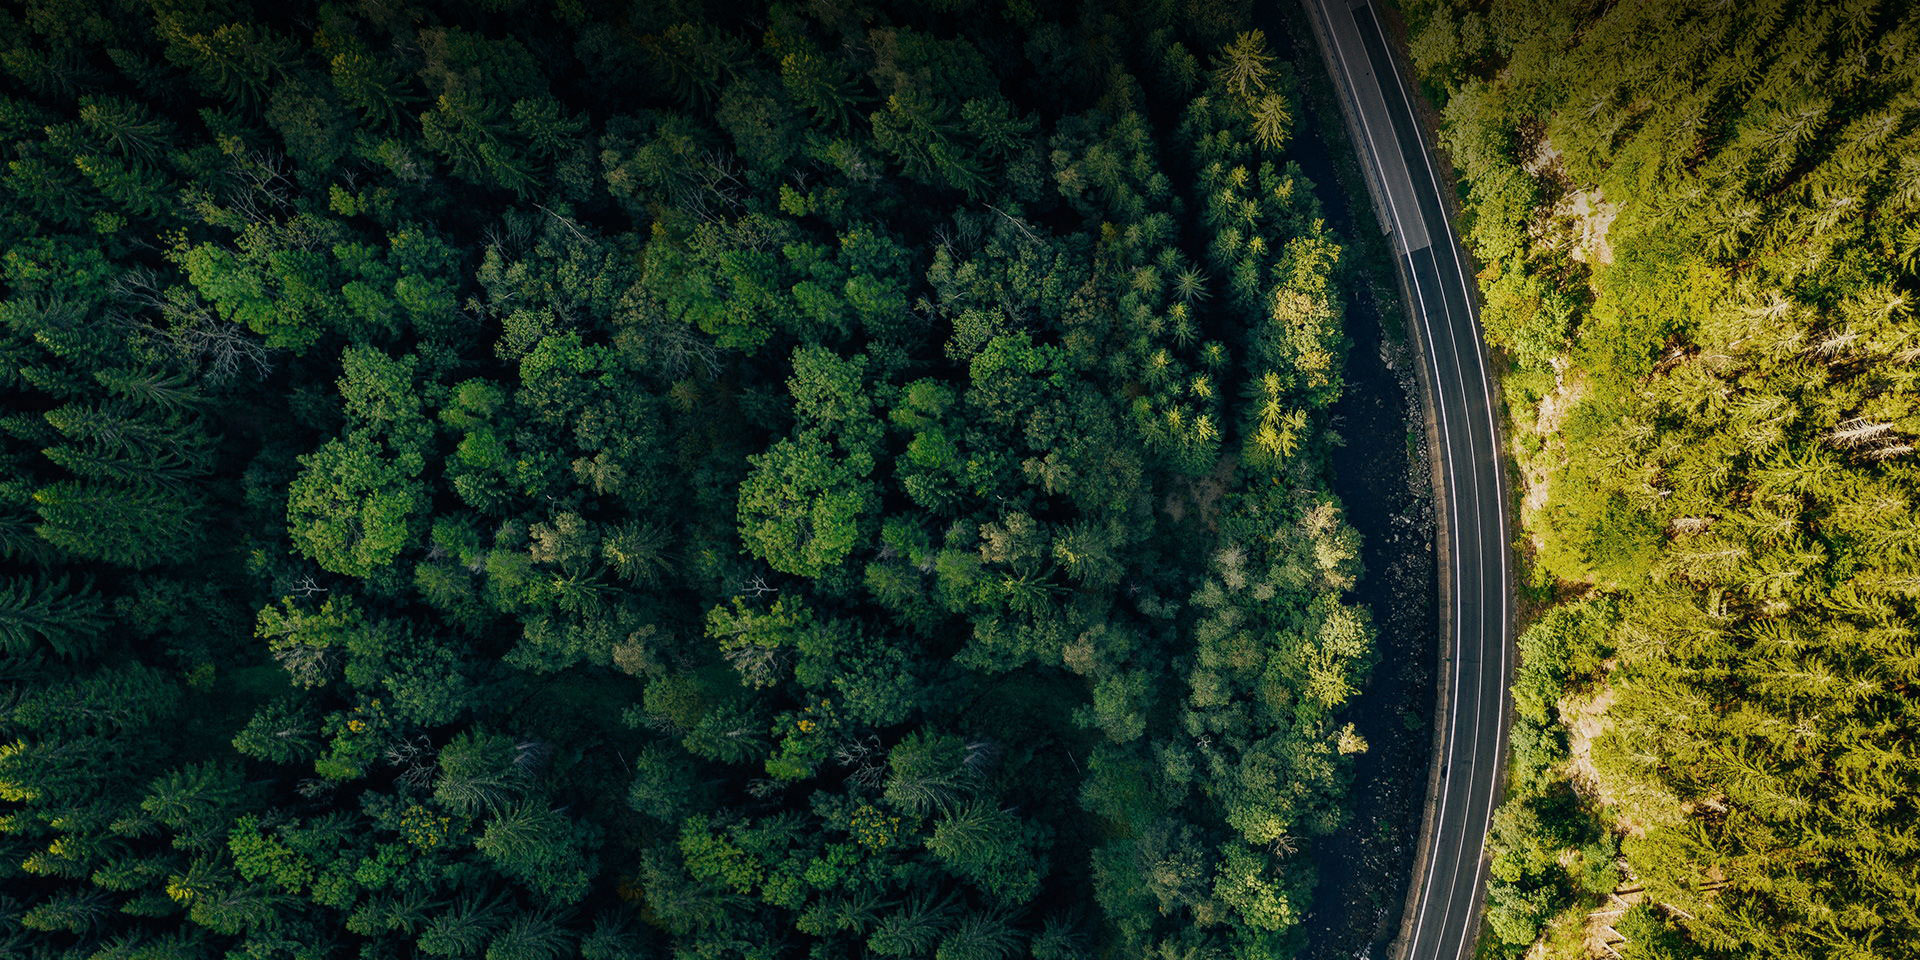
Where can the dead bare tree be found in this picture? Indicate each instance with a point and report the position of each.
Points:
(868, 759)
(181, 322)
(759, 665)
(305, 587)
(1858, 431)
(416, 757)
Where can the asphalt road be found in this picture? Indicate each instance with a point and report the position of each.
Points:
(1450, 878)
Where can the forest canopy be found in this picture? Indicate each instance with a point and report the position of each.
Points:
(680, 479)
(1700, 228)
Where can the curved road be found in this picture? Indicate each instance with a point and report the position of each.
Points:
(1450, 876)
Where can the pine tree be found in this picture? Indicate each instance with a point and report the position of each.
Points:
(464, 926)
(1246, 65)
(530, 937)
(979, 936)
(132, 526)
(912, 930)
(37, 611)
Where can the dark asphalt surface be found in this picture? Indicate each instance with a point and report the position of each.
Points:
(1451, 878)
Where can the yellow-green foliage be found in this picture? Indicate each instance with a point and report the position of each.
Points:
(1733, 385)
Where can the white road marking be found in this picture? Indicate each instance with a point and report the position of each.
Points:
(1453, 498)
(1503, 602)
(1500, 505)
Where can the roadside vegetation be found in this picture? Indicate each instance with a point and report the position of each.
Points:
(664, 479)
(1698, 230)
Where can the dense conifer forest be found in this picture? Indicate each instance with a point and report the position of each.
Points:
(1700, 231)
(718, 479)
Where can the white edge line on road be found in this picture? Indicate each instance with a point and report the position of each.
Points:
(1452, 327)
(1500, 502)
(1453, 705)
